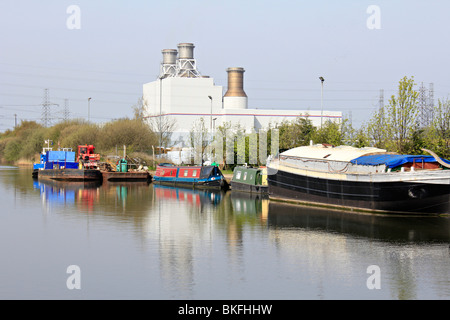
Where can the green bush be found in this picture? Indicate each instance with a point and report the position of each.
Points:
(27, 139)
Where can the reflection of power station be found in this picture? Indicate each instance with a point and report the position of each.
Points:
(183, 94)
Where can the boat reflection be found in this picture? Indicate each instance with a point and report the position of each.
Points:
(107, 197)
(61, 193)
(191, 197)
(251, 204)
(379, 227)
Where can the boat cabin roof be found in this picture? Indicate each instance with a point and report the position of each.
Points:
(392, 161)
(200, 172)
(247, 174)
(322, 151)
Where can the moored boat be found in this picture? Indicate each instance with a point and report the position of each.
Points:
(365, 179)
(248, 179)
(126, 176)
(190, 176)
(62, 165)
(70, 174)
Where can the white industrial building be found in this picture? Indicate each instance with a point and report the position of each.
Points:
(181, 93)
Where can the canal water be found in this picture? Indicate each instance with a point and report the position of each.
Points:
(143, 241)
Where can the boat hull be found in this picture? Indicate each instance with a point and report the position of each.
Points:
(195, 177)
(70, 174)
(244, 187)
(390, 196)
(215, 184)
(125, 176)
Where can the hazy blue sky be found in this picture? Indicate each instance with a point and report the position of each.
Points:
(284, 47)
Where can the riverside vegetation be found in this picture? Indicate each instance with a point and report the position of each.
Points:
(394, 127)
(25, 142)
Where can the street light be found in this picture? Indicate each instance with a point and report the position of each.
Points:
(89, 109)
(321, 101)
(214, 125)
(210, 122)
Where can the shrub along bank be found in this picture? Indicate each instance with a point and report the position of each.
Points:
(26, 141)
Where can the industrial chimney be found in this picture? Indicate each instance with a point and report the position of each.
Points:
(235, 97)
(186, 62)
(169, 64)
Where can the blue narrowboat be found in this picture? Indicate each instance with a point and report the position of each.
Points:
(196, 177)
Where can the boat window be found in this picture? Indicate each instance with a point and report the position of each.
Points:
(245, 175)
(238, 175)
(194, 173)
(185, 173)
(327, 156)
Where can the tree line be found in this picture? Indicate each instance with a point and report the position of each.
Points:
(27, 139)
(394, 127)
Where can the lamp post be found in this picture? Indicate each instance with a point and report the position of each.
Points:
(89, 109)
(214, 125)
(210, 121)
(160, 115)
(321, 101)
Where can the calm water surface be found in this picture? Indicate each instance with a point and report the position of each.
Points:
(142, 241)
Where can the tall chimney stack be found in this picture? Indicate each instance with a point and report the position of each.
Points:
(169, 64)
(186, 62)
(235, 97)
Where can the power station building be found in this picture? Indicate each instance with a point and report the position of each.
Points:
(183, 94)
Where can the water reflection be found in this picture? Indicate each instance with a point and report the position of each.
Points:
(190, 197)
(182, 225)
(379, 227)
(57, 193)
(410, 250)
(213, 244)
(95, 196)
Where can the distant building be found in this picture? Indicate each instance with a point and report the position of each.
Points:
(183, 95)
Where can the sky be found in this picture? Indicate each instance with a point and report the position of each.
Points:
(107, 50)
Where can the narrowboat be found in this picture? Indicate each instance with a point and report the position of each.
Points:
(361, 179)
(62, 165)
(190, 176)
(253, 180)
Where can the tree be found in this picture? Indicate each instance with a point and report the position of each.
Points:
(361, 139)
(402, 111)
(138, 109)
(376, 129)
(441, 127)
(332, 132)
(296, 133)
(199, 140)
(133, 133)
(163, 126)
